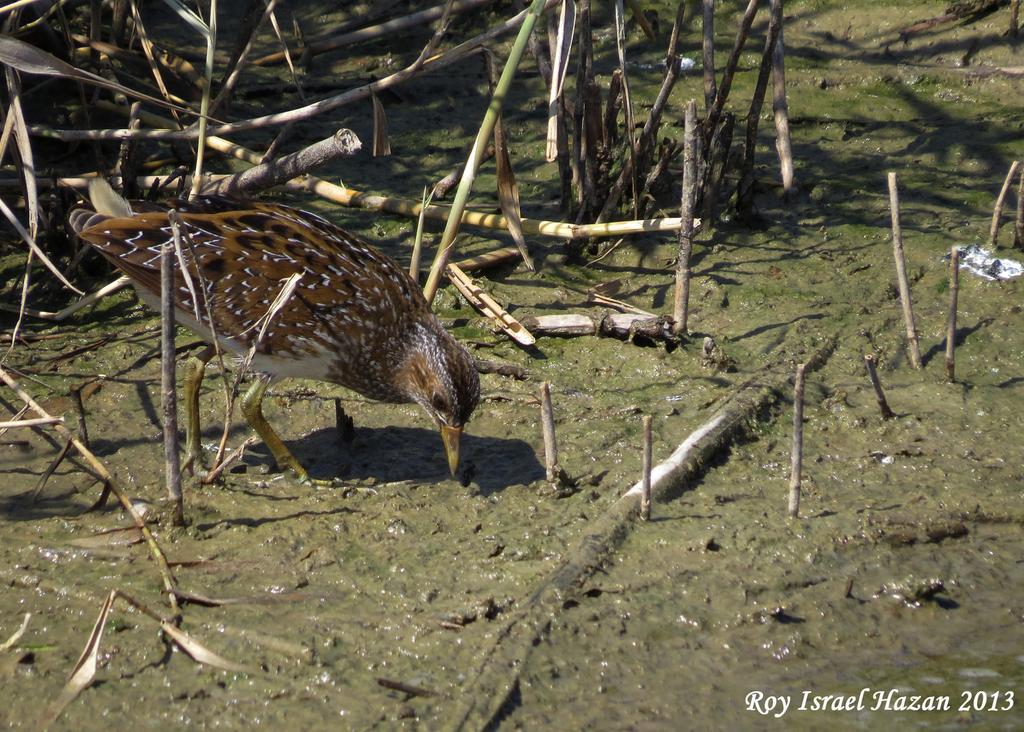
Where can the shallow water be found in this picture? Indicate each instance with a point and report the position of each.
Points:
(904, 571)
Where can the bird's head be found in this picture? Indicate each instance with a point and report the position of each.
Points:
(440, 376)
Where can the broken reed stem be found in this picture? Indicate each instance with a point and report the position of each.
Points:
(681, 303)
(954, 287)
(883, 405)
(798, 442)
(709, 53)
(901, 273)
(645, 494)
(172, 460)
(1014, 10)
(997, 210)
(547, 421)
(780, 108)
(275, 172)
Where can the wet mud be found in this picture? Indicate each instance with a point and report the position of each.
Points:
(903, 573)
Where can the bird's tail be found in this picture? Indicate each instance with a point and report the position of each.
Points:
(106, 203)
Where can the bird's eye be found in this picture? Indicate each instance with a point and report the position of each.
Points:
(439, 403)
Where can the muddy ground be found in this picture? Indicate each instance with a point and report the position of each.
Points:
(904, 572)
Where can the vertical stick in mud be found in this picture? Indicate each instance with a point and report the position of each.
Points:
(547, 421)
(798, 442)
(1018, 224)
(883, 405)
(901, 273)
(997, 210)
(954, 288)
(681, 304)
(779, 106)
(645, 496)
(168, 393)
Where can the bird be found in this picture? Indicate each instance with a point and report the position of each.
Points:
(354, 317)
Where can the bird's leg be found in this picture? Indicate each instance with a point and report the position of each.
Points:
(195, 369)
(252, 408)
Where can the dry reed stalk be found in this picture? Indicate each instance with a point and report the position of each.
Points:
(633, 165)
(490, 259)
(901, 272)
(681, 302)
(559, 64)
(168, 383)
(883, 404)
(708, 49)
(1014, 11)
(796, 465)
(487, 306)
(780, 108)
(997, 210)
(172, 132)
(954, 288)
(370, 201)
(109, 484)
(645, 490)
(547, 422)
(745, 188)
(35, 422)
(715, 112)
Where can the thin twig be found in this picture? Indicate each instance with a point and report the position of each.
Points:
(901, 273)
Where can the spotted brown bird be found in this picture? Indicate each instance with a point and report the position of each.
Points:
(354, 317)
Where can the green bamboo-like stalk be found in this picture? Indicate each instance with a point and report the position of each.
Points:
(482, 138)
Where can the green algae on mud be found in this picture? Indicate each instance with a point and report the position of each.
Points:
(903, 572)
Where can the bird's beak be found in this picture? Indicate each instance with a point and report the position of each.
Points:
(450, 436)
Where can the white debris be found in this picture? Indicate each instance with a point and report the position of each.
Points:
(984, 264)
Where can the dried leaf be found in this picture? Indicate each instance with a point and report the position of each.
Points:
(559, 65)
(27, 164)
(381, 139)
(84, 671)
(197, 651)
(508, 192)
